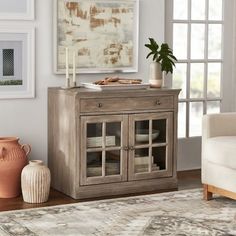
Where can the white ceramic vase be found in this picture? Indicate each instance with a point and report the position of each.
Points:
(35, 182)
(155, 75)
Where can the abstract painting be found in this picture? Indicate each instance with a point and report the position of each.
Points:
(103, 33)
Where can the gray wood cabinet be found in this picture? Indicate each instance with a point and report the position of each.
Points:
(113, 142)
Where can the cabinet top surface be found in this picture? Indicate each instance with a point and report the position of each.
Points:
(92, 92)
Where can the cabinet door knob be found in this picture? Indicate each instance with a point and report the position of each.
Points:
(99, 105)
(158, 102)
(126, 148)
(131, 148)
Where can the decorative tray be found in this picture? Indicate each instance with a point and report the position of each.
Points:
(114, 83)
(115, 86)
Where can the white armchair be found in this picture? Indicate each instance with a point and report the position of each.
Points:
(219, 155)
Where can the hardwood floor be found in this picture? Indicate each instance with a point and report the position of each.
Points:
(187, 180)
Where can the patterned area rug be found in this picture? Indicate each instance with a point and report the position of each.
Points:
(175, 213)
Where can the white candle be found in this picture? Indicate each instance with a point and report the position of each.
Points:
(74, 67)
(67, 63)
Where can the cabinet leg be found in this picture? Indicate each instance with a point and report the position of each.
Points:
(206, 194)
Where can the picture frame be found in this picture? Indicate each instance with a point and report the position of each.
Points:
(111, 47)
(17, 61)
(12, 10)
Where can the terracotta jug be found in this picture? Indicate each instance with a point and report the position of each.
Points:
(13, 158)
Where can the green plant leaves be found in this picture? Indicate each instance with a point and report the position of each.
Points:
(153, 46)
(149, 54)
(164, 55)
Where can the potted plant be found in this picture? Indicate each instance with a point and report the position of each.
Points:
(163, 61)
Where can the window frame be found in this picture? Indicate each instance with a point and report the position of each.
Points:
(227, 59)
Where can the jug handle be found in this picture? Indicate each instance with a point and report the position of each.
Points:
(2, 150)
(26, 148)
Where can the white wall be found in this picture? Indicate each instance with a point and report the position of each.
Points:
(27, 118)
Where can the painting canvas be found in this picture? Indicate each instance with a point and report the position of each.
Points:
(103, 33)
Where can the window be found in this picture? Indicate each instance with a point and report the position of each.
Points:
(197, 27)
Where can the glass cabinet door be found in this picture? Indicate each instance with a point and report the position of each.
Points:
(104, 156)
(150, 145)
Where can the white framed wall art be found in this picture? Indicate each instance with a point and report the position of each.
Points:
(17, 10)
(17, 62)
(102, 33)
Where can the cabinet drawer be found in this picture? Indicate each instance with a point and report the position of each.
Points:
(126, 104)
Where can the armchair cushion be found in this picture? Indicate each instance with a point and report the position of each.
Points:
(221, 150)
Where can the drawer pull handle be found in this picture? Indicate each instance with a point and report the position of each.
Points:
(158, 102)
(99, 105)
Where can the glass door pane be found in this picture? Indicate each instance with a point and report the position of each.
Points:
(159, 158)
(181, 9)
(214, 80)
(149, 155)
(94, 164)
(113, 142)
(142, 132)
(104, 152)
(94, 135)
(215, 9)
(113, 162)
(105, 137)
(180, 79)
(213, 107)
(113, 134)
(197, 80)
(141, 160)
(196, 113)
(159, 131)
(198, 9)
(197, 41)
(180, 33)
(94, 140)
(215, 41)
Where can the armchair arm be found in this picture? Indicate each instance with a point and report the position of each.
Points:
(223, 124)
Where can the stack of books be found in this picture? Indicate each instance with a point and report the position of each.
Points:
(112, 168)
(97, 141)
(141, 164)
(93, 171)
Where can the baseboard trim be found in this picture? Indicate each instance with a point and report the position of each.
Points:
(188, 173)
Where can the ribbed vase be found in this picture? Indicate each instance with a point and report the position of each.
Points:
(35, 182)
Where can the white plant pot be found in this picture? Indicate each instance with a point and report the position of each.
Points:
(156, 83)
(155, 75)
